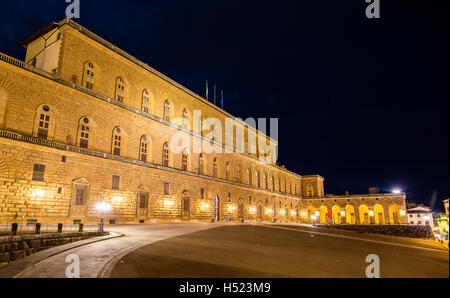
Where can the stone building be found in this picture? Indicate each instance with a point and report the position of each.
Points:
(83, 122)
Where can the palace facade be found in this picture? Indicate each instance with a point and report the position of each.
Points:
(82, 122)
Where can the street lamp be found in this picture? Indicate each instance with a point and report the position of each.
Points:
(313, 217)
(102, 207)
(397, 191)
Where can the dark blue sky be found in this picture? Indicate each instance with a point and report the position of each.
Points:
(362, 102)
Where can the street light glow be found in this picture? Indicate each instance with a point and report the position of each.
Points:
(103, 207)
(397, 191)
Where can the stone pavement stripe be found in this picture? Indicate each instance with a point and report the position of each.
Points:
(20, 266)
(354, 238)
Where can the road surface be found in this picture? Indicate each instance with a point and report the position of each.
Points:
(244, 250)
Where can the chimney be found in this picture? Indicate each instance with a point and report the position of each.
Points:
(374, 190)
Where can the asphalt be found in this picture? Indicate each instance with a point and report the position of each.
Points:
(96, 258)
(256, 251)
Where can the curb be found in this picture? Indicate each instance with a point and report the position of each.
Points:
(15, 268)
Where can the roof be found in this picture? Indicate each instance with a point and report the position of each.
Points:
(419, 210)
(24, 43)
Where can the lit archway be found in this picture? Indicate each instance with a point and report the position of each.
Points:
(364, 215)
(350, 214)
(323, 214)
(379, 214)
(394, 214)
(336, 214)
(311, 214)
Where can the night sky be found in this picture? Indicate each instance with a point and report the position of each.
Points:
(362, 102)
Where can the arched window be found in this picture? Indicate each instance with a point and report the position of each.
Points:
(166, 112)
(89, 75)
(201, 165)
(84, 133)
(120, 89)
(184, 160)
(309, 190)
(143, 152)
(43, 122)
(227, 171)
(258, 182)
(165, 157)
(266, 185)
(117, 141)
(273, 183)
(200, 125)
(185, 123)
(249, 177)
(279, 184)
(145, 101)
(215, 167)
(238, 174)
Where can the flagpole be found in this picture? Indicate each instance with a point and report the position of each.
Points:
(221, 98)
(214, 93)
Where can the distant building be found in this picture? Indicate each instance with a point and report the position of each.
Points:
(421, 216)
(446, 209)
(441, 225)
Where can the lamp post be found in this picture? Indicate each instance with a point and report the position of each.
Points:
(102, 207)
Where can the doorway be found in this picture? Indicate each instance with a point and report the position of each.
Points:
(216, 208)
(185, 207)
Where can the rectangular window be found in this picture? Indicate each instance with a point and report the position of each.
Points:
(38, 172)
(80, 195)
(84, 143)
(116, 151)
(202, 193)
(144, 157)
(166, 188)
(115, 182)
(42, 133)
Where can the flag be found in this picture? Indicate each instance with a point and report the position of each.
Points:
(207, 90)
(214, 93)
(221, 98)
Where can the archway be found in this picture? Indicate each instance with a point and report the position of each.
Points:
(364, 215)
(323, 214)
(336, 215)
(143, 197)
(240, 209)
(259, 211)
(216, 208)
(311, 214)
(350, 214)
(394, 214)
(185, 205)
(379, 214)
